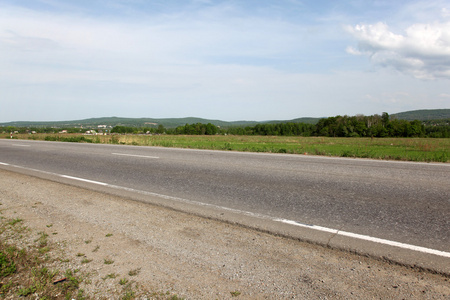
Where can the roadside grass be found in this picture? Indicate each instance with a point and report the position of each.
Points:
(404, 149)
(24, 271)
(28, 272)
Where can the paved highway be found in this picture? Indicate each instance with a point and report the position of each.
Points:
(396, 201)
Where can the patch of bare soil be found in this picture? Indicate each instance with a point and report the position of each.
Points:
(166, 253)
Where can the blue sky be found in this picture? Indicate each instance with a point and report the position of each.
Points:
(228, 60)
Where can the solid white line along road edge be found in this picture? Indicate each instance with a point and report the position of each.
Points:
(133, 155)
(285, 221)
(84, 180)
(367, 238)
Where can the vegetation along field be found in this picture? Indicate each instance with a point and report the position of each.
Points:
(406, 149)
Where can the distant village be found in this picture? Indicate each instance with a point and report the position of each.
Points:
(101, 130)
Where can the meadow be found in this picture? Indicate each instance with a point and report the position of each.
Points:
(403, 149)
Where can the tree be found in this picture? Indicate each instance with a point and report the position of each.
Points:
(160, 129)
(385, 119)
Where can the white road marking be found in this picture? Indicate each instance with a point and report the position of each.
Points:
(285, 221)
(84, 180)
(133, 155)
(367, 238)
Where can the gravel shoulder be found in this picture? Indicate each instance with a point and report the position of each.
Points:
(173, 253)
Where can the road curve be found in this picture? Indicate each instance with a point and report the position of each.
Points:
(403, 202)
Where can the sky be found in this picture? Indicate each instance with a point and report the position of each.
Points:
(227, 60)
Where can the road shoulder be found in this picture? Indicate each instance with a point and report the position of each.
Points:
(194, 257)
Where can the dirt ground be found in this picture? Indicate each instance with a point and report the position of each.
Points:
(172, 253)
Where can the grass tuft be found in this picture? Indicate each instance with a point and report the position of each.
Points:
(134, 272)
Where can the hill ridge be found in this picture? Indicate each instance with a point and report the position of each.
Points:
(421, 115)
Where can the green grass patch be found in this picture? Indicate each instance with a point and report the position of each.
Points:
(7, 265)
(14, 221)
(24, 271)
(405, 149)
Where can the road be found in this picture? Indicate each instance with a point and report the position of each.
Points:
(402, 202)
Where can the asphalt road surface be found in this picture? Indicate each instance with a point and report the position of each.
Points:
(402, 202)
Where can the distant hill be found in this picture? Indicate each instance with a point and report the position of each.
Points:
(114, 121)
(146, 122)
(421, 115)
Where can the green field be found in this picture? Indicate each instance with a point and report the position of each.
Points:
(405, 149)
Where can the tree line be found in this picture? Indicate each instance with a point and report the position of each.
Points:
(338, 126)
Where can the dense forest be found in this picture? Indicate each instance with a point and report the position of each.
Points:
(338, 126)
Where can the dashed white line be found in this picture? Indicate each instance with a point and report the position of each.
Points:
(134, 155)
(285, 221)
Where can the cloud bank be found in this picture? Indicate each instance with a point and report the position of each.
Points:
(422, 51)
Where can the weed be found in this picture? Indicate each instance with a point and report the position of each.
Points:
(114, 139)
(123, 281)
(235, 293)
(96, 248)
(86, 261)
(26, 291)
(44, 250)
(134, 272)
(109, 235)
(14, 221)
(42, 240)
(110, 276)
(129, 294)
(227, 146)
(108, 261)
(80, 254)
(5, 287)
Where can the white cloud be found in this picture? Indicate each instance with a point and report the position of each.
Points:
(445, 12)
(423, 51)
(217, 61)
